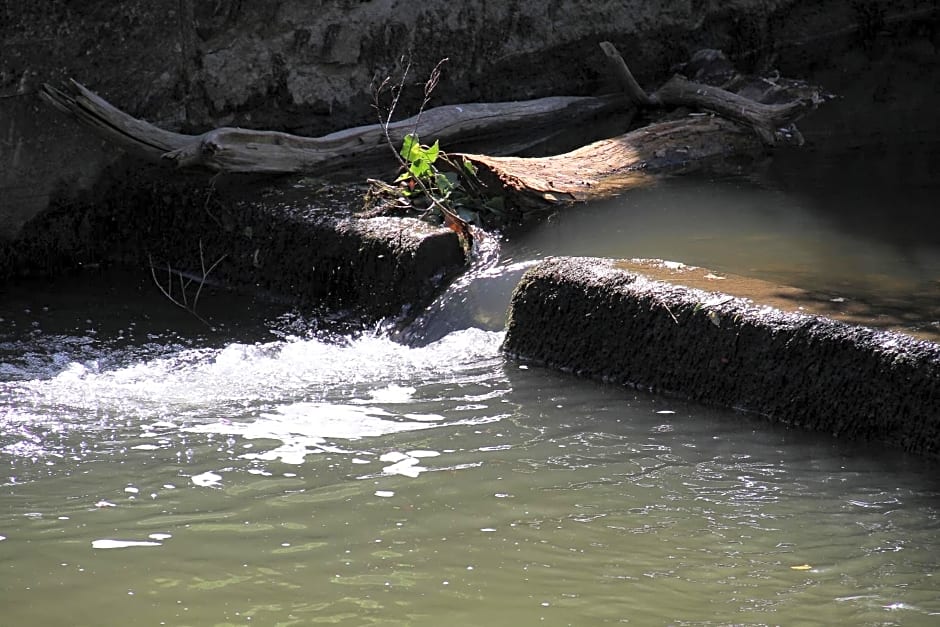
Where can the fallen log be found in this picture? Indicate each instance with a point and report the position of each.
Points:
(743, 128)
(727, 124)
(769, 121)
(270, 152)
(611, 166)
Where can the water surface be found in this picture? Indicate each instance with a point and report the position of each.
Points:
(154, 471)
(360, 481)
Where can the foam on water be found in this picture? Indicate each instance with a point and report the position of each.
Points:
(122, 544)
(303, 393)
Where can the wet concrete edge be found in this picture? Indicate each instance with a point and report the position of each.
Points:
(590, 317)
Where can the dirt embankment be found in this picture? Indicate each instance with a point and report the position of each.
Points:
(287, 65)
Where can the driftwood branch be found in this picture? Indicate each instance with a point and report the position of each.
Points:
(727, 128)
(245, 150)
(764, 119)
(611, 166)
(112, 124)
(625, 77)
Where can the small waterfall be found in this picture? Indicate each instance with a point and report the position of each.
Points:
(477, 299)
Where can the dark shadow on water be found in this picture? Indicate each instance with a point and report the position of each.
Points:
(109, 318)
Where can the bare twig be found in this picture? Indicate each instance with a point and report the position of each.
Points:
(212, 181)
(386, 119)
(433, 79)
(183, 301)
(669, 311)
(451, 219)
(205, 273)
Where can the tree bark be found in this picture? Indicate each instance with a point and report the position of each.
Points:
(246, 150)
(765, 119)
(611, 166)
(735, 125)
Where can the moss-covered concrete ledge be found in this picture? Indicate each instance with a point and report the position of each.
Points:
(297, 240)
(594, 317)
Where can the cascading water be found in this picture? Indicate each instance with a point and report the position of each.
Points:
(270, 474)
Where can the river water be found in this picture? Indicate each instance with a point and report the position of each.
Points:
(153, 472)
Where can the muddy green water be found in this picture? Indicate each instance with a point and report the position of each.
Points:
(154, 473)
(304, 482)
(265, 474)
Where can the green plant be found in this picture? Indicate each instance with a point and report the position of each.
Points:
(421, 174)
(430, 182)
(421, 171)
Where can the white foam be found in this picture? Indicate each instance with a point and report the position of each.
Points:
(393, 456)
(313, 393)
(392, 394)
(407, 467)
(423, 454)
(313, 423)
(238, 372)
(208, 480)
(121, 544)
(304, 428)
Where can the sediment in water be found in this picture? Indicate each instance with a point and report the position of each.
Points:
(596, 318)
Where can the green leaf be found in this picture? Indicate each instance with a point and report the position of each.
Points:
(419, 167)
(472, 169)
(443, 183)
(410, 147)
(431, 153)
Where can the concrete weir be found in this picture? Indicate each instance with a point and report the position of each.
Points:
(296, 240)
(603, 319)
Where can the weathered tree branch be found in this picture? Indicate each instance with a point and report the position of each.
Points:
(611, 166)
(594, 171)
(764, 119)
(245, 150)
(136, 136)
(625, 77)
